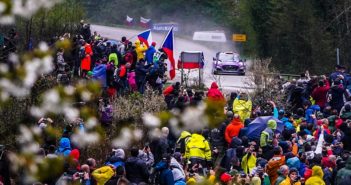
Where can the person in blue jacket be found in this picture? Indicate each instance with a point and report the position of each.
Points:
(149, 54)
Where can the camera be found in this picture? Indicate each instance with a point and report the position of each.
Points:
(81, 175)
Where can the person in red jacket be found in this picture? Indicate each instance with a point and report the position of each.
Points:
(214, 93)
(319, 94)
(233, 129)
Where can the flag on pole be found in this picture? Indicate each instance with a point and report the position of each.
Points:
(145, 37)
(145, 23)
(129, 20)
(167, 47)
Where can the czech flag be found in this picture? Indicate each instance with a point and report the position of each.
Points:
(167, 47)
(145, 37)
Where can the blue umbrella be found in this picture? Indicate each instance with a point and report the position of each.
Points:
(255, 128)
(113, 42)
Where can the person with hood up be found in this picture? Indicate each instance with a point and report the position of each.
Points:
(292, 178)
(64, 147)
(310, 113)
(267, 136)
(344, 174)
(149, 54)
(166, 175)
(198, 150)
(233, 129)
(230, 102)
(103, 174)
(243, 106)
(183, 140)
(140, 49)
(317, 177)
(214, 94)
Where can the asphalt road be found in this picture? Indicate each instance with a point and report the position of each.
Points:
(226, 82)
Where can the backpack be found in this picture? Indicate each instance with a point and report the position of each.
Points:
(106, 114)
(82, 53)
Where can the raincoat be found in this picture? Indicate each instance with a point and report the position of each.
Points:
(140, 49)
(267, 134)
(317, 177)
(273, 165)
(233, 129)
(248, 163)
(198, 148)
(113, 57)
(214, 94)
(287, 181)
(243, 108)
(102, 175)
(64, 147)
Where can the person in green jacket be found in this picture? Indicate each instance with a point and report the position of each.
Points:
(266, 139)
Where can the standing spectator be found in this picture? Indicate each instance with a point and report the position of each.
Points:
(149, 55)
(140, 75)
(243, 106)
(336, 95)
(233, 128)
(166, 175)
(136, 168)
(140, 50)
(64, 147)
(214, 94)
(274, 164)
(159, 146)
(103, 174)
(317, 176)
(344, 175)
(319, 94)
(198, 150)
(267, 137)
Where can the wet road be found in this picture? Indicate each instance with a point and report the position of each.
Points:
(226, 82)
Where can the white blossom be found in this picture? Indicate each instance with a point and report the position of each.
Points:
(124, 139)
(91, 123)
(2, 7)
(150, 120)
(195, 117)
(69, 90)
(86, 95)
(138, 134)
(82, 138)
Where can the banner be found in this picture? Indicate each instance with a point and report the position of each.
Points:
(165, 27)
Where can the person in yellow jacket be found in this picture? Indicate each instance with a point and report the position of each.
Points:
(103, 174)
(198, 150)
(140, 49)
(292, 178)
(248, 163)
(317, 177)
(242, 105)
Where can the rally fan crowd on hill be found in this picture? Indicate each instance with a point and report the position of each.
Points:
(305, 142)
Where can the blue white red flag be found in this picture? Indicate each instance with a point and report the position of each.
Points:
(167, 47)
(145, 37)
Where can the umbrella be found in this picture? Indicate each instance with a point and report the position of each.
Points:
(255, 128)
(114, 42)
